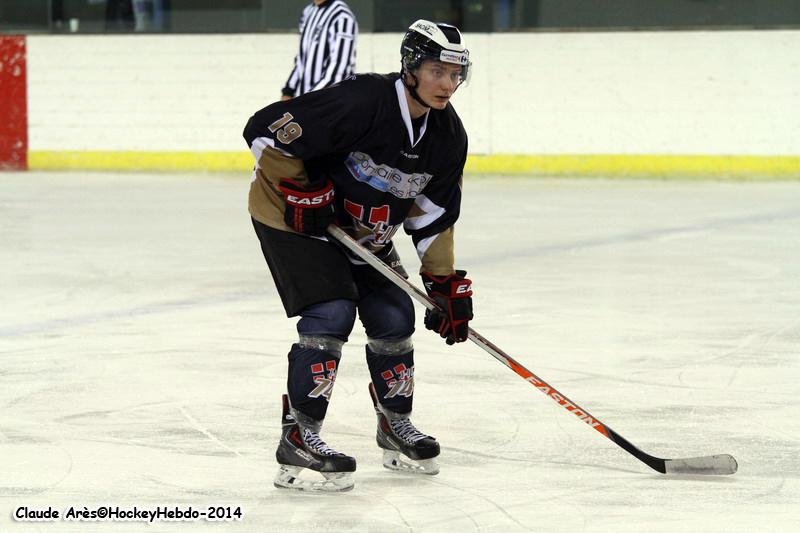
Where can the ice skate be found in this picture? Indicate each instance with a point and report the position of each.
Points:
(301, 449)
(405, 448)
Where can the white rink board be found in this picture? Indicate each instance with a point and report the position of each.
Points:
(143, 354)
(701, 93)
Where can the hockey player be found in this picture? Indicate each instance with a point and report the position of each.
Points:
(370, 154)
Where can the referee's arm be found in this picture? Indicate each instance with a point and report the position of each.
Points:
(289, 90)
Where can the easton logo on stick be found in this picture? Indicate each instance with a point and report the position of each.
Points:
(563, 401)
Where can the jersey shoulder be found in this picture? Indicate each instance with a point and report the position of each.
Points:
(367, 90)
(305, 15)
(341, 9)
(377, 82)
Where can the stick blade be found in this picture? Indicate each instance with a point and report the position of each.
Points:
(710, 465)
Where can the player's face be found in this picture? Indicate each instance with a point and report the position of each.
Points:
(437, 81)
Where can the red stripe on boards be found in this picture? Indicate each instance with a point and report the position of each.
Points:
(13, 103)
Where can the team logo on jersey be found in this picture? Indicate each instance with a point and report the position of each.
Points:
(324, 378)
(385, 178)
(377, 222)
(400, 381)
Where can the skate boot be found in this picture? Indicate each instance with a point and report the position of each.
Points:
(405, 448)
(302, 448)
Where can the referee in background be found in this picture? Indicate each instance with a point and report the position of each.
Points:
(327, 55)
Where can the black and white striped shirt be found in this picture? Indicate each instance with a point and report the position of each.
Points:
(327, 55)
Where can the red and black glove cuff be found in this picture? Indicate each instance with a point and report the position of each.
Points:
(450, 286)
(453, 293)
(309, 209)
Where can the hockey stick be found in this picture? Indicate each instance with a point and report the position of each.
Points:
(722, 464)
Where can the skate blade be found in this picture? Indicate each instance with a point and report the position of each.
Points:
(394, 461)
(288, 477)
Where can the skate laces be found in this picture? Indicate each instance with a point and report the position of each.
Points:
(313, 441)
(403, 428)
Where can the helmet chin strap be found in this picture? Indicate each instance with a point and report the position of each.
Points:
(413, 89)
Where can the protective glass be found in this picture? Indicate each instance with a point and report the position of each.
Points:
(436, 71)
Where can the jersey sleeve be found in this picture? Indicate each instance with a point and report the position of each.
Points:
(431, 220)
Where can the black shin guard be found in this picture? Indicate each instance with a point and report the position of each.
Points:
(393, 379)
(312, 373)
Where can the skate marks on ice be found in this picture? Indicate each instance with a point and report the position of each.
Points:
(57, 325)
(54, 464)
(577, 216)
(140, 365)
(639, 237)
(394, 501)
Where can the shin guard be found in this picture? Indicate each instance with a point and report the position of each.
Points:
(312, 373)
(393, 376)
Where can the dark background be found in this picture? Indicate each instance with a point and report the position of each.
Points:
(250, 16)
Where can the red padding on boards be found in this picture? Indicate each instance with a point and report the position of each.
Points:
(13, 104)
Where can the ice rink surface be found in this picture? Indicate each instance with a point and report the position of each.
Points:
(143, 354)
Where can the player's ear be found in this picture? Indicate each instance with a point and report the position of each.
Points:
(409, 79)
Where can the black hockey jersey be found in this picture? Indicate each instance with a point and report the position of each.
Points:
(386, 172)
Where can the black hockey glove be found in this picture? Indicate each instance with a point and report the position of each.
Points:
(453, 293)
(309, 209)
